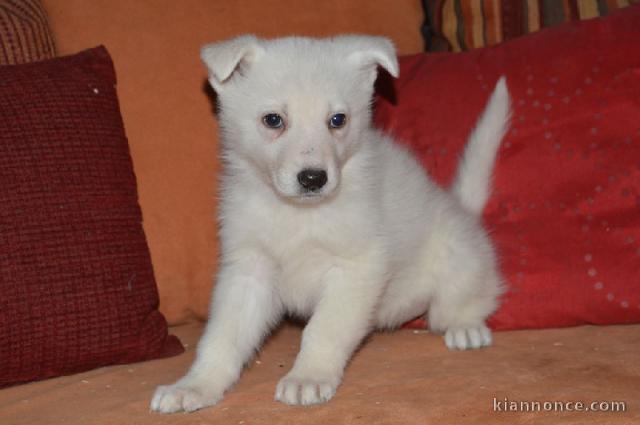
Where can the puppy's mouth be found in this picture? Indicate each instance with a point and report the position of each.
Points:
(310, 195)
(304, 197)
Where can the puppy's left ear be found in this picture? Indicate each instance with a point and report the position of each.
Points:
(369, 52)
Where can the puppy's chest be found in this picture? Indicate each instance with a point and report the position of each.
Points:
(289, 233)
(305, 247)
(301, 278)
(302, 260)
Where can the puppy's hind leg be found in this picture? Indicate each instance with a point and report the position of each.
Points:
(467, 284)
(460, 308)
(244, 308)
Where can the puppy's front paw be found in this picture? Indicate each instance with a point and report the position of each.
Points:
(294, 390)
(466, 338)
(185, 397)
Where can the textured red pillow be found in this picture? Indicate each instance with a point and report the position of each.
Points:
(565, 214)
(77, 289)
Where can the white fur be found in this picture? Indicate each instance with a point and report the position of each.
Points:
(378, 245)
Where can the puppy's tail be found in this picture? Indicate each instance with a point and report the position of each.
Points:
(472, 185)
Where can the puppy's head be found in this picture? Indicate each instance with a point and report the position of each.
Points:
(296, 108)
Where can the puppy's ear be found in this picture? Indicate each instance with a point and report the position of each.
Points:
(225, 58)
(369, 52)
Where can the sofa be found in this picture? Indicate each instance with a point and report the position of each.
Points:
(537, 371)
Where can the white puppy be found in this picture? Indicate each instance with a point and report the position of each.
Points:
(325, 218)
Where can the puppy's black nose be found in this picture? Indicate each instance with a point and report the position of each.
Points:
(312, 179)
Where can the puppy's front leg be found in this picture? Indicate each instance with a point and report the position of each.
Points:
(243, 309)
(341, 320)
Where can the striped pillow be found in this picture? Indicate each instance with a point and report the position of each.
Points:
(456, 25)
(24, 32)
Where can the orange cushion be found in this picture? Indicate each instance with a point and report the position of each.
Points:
(168, 113)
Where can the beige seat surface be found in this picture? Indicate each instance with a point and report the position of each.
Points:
(404, 377)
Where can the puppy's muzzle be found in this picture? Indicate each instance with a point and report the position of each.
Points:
(312, 179)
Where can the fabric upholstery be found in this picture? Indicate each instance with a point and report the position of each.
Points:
(25, 35)
(565, 213)
(398, 378)
(456, 25)
(168, 112)
(76, 281)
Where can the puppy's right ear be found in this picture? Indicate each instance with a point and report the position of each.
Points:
(223, 59)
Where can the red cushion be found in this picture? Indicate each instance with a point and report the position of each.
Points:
(565, 214)
(77, 289)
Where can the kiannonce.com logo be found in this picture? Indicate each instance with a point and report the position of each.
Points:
(507, 405)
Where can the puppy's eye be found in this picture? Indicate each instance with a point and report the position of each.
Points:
(273, 121)
(337, 121)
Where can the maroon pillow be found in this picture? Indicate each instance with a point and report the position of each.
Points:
(565, 212)
(77, 289)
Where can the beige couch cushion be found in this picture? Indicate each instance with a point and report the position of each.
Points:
(405, 377)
